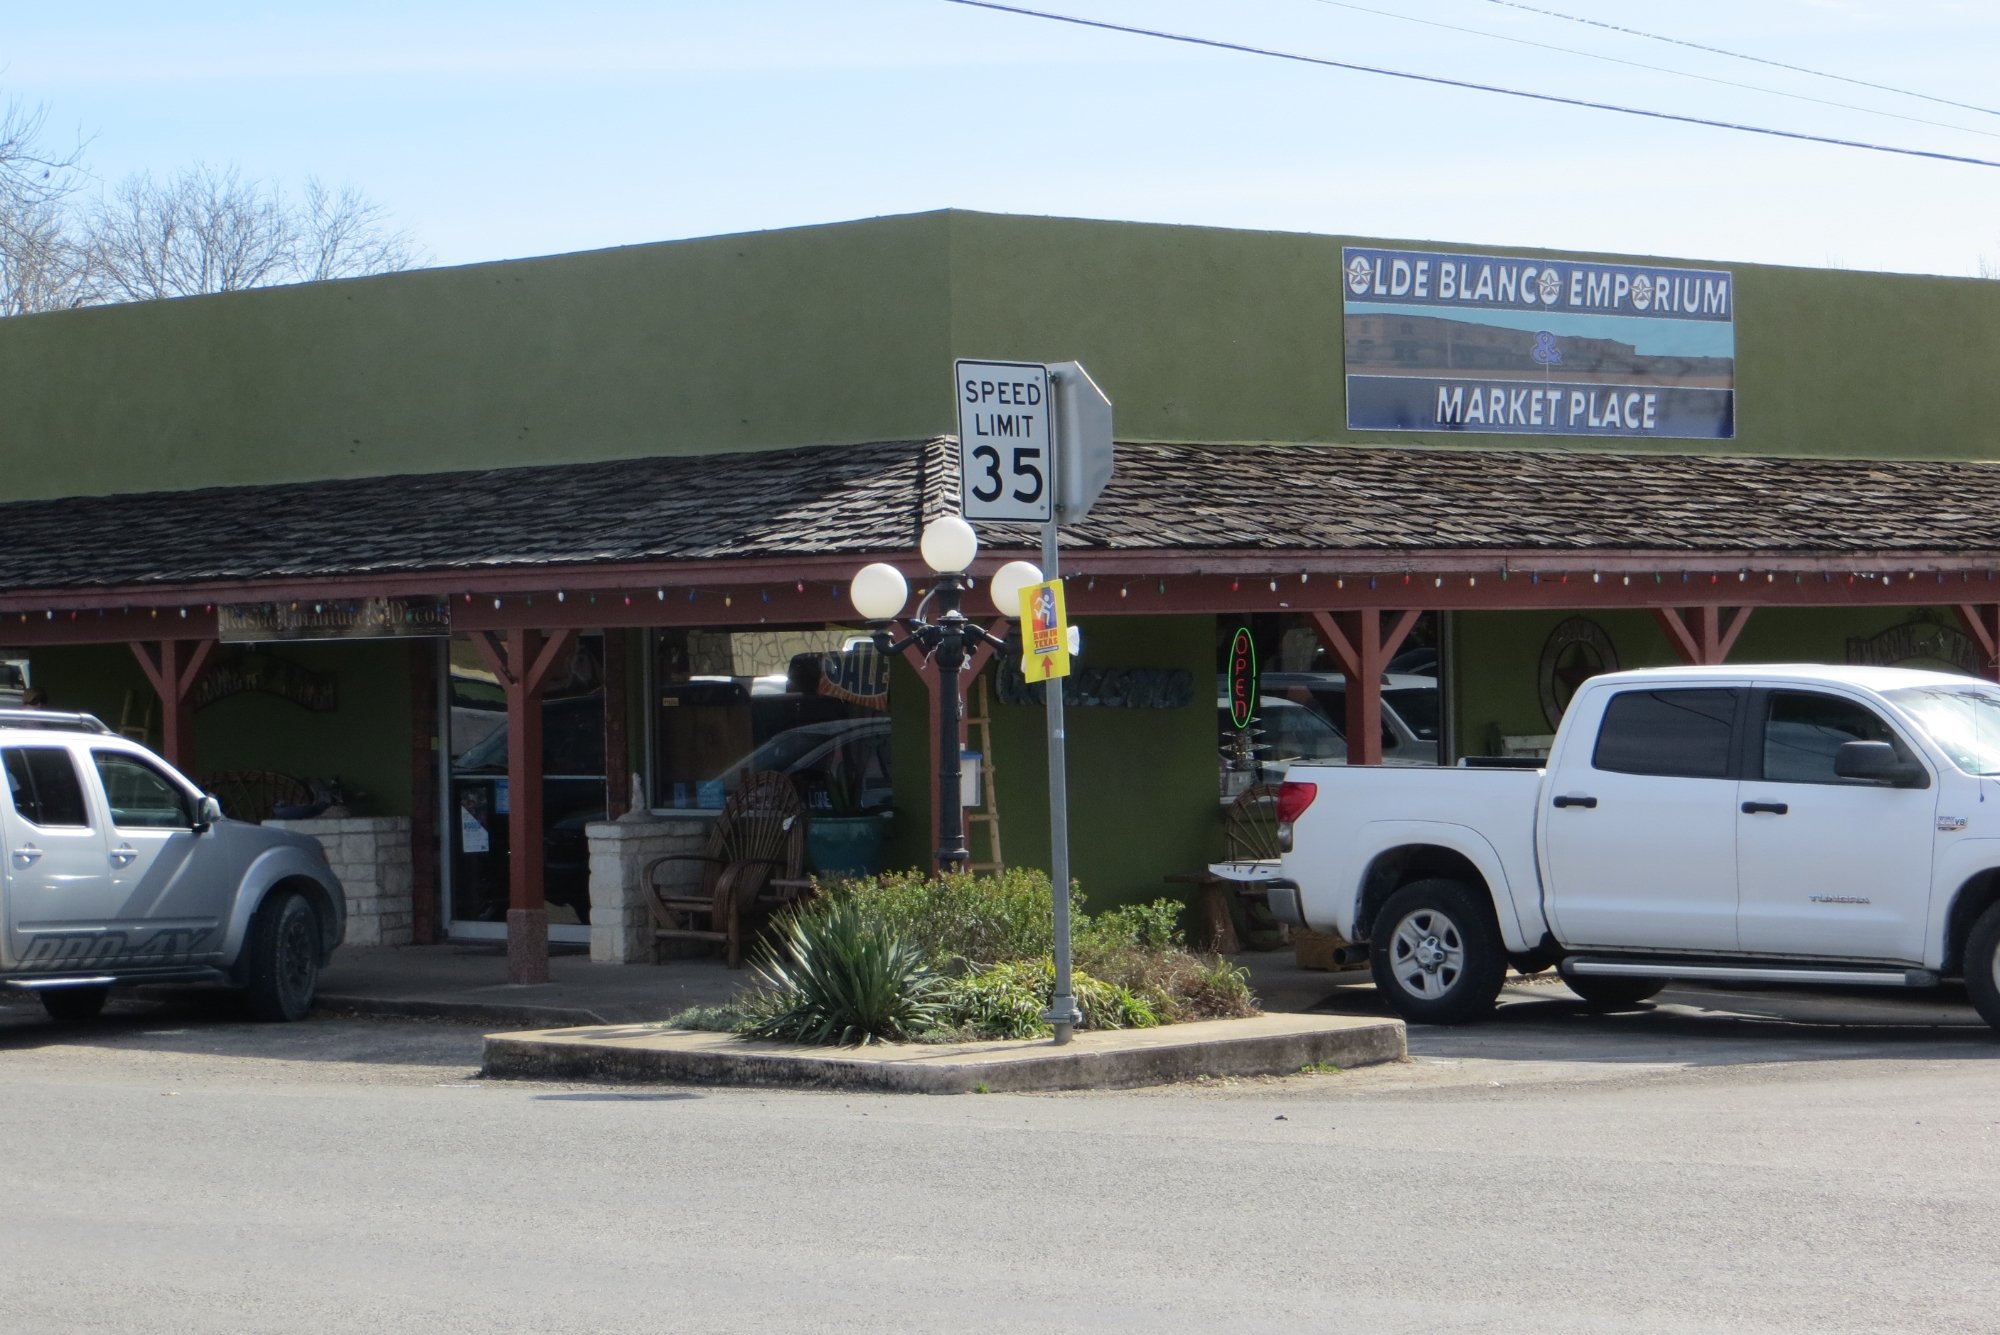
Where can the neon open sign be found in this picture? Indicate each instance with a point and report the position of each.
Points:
(1242, 678)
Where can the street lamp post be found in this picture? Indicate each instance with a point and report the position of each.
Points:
(879, 592)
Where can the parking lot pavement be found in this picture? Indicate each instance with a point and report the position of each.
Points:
(1541, 1032)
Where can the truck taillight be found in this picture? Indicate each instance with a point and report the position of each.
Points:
(1293, 799)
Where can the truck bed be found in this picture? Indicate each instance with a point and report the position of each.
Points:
(1485, 814)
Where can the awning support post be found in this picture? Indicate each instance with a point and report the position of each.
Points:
(521, 661)
(1710, 639)
(1358, 639)
(172, 666)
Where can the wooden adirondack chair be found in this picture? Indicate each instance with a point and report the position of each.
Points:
(753, 862)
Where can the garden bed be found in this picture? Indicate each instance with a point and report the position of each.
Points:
(965, 958)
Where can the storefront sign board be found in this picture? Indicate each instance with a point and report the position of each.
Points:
(364, 618)
(1543, 347)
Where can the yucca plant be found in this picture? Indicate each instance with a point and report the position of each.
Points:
(835, 975)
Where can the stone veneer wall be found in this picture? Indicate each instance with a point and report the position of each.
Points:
(621, 925)
(371, 856)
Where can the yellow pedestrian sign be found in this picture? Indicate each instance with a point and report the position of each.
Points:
(1045, 644)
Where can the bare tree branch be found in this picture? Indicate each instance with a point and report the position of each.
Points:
(41, 265)
(204, 230)
(342, 235)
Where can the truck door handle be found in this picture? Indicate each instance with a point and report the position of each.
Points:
(27, 855)
(124, 856)
(1775, 808)
(1588, 803)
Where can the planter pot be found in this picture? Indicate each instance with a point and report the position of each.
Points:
(846, 845)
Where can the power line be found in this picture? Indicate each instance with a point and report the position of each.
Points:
(1216, 44)
(1655, 69)
(1738, 55)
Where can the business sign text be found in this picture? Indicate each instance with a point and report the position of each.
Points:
(1550, 347)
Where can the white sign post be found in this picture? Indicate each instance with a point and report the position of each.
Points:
(1005, 443)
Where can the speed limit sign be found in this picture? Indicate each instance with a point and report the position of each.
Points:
(1005, 447)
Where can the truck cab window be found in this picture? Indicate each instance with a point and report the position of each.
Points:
(142, 798)
(1679, 733)
(1803, 731)
(42, 781)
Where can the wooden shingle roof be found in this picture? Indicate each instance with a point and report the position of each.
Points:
(874, 498)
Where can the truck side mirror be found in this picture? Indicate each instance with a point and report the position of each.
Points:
(1879, 763)
(207, 812)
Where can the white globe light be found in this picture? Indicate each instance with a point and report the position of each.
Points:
(949, 544)
(879, 591)
(1006, 585)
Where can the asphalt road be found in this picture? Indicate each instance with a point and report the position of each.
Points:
(1724, 1161)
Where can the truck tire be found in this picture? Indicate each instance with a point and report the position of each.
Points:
(1435, 954)
(1982, 966)
(1603, 992)
(74, 1005)
(283, 958)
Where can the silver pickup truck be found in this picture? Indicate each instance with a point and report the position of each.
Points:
(118, 871)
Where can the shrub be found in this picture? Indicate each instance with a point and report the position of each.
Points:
(984, 919)
(967, 956)
(838, 975)
(1005, 1001)
(1009, 1001)
(1154, 926)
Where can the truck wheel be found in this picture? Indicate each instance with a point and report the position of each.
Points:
(1603, 992)
(73, 1005)
(1982, 966)
(284, 958)
(1435, 955)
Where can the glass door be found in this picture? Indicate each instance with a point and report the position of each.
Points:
(477, 842)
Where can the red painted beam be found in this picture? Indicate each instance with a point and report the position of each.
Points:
(1982, 622)
(173, 666)
(1468, 579)
(1364, 645)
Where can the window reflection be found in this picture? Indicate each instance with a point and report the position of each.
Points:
(809, 703)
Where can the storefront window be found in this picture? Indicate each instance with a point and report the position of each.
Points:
(809, 703)
(1301, 710)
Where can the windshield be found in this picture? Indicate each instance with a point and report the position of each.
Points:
(1963, 720)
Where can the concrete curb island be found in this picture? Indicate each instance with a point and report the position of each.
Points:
(1102, 1059)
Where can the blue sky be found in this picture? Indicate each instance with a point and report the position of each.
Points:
(503, 129)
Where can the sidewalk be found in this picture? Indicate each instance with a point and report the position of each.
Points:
(468, 981)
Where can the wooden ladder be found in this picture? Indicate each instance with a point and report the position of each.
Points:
(979, 730)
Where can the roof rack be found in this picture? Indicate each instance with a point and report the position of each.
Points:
(53, 720)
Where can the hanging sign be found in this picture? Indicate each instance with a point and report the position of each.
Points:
(1540, 347)
(1242, 678)
(1045, 632)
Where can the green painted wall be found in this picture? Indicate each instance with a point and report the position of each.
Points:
(1497, 655)
(365, 740)
(1142, 782)
(845, 333)
(726, 343)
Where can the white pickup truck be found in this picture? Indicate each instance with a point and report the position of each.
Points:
(1805, 824)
